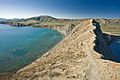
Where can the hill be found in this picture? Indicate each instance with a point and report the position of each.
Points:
(109, 26)
(82, 55)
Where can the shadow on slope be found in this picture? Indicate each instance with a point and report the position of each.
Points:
(102, 43)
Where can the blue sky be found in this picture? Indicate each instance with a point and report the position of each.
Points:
(60, 8)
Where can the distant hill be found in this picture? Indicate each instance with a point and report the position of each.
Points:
(105, 21)
(109, 26)
(42, 18)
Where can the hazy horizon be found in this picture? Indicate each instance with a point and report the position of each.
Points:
(60, 9)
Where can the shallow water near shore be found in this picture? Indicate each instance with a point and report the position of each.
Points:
(20, 46)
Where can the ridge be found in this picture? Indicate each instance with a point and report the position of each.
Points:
(82, 55)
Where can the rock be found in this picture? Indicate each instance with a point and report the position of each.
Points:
(75, 58)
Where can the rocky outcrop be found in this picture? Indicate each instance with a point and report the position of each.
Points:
(77, 57)
(101, 45)
(16, 24)
(64, 29)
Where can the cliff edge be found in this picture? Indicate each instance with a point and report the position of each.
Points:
(82, 55)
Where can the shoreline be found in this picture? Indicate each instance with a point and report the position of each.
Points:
(64, 56)
(46, 53)
(7, 75)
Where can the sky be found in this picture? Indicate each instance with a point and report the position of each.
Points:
(60, 8)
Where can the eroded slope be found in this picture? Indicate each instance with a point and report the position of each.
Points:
(74, 58)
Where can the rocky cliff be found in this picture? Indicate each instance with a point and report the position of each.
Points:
(64, 29)
(82, 55)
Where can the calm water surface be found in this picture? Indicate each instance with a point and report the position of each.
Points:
(19, 46)
(115, 48)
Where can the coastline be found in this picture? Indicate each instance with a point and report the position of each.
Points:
(7, 75)
(66, 55)
(48, 52)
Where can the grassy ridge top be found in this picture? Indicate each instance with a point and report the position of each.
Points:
(111, 28)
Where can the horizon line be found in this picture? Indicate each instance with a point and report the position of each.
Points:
(62, 17)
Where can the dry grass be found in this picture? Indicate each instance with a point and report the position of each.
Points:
(113, 28)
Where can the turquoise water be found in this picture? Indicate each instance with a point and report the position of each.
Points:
(115, 48)
(20, 46)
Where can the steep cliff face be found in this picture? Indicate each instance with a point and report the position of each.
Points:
(77, 57)
(64, 29)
